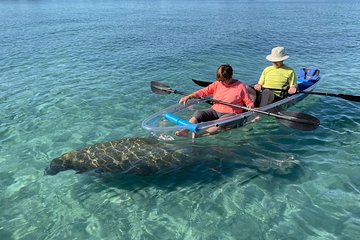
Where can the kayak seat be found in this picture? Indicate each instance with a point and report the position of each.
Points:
(307, 77)
(308, 74)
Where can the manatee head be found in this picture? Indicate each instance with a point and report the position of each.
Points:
(62, 163)
(139, 156)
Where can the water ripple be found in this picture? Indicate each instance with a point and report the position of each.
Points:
(75, 74)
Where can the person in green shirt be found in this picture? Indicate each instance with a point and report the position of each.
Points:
(277, 76)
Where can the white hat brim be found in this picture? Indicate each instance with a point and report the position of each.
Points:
(276, 59)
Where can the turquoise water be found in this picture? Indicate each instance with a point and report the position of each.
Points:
(75, 74)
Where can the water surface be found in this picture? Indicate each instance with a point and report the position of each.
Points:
(75, 74)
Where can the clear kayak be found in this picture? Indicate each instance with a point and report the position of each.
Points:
(175, 117)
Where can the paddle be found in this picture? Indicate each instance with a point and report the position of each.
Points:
(339, 95)
(299, 121)
(348, 97)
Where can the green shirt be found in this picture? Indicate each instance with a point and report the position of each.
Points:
(281, 78)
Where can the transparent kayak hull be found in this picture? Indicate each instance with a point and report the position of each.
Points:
(156, 123)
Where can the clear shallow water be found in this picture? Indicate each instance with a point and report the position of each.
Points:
(74, 74)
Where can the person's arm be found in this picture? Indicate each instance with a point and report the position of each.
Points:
(246, 98)
(206, 91)
(261, 82)
(292, 82)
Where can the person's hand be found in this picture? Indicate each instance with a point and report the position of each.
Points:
(184, 99)
(258, 87)
(292, 90)
(250, 106)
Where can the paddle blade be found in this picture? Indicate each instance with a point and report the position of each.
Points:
(160, 88)
(350, 97)
(201, 83)
(299, 121)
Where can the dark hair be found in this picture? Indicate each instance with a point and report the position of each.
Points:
(224, 71)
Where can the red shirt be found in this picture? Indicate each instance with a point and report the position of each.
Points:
(234, 93)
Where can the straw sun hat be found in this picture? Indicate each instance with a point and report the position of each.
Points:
(277, 55)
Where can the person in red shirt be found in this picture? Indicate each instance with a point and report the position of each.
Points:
(226, 89)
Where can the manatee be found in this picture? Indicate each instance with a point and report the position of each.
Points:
(140, 156)
(146, 156)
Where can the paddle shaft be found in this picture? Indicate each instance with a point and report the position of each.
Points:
(315, 93)
(348, 97)
(289, 118)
